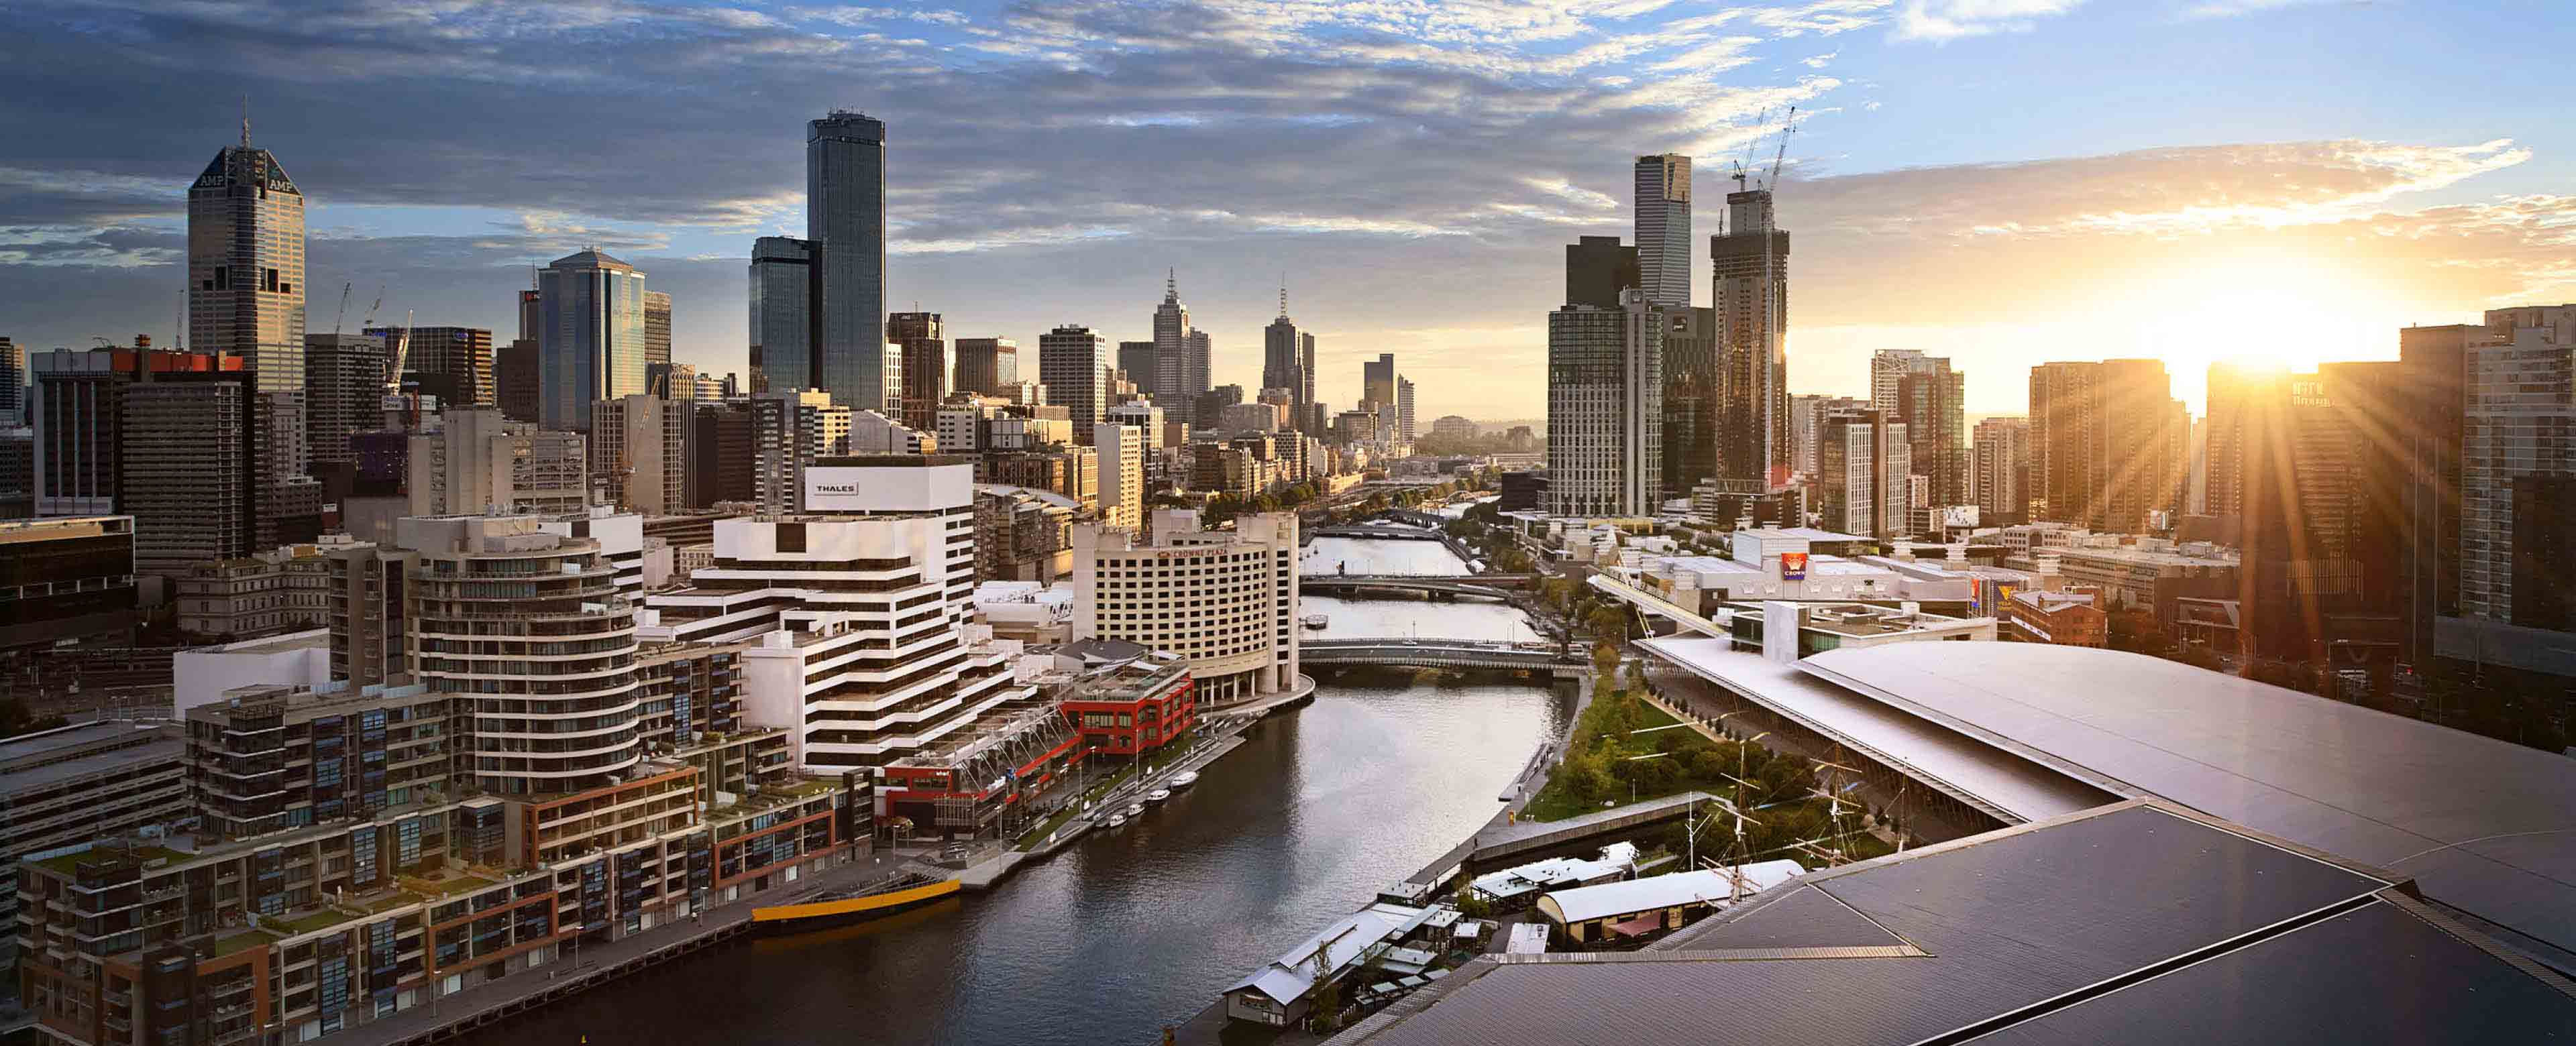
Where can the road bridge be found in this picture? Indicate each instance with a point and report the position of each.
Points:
(1441, 653)
(1489, 585)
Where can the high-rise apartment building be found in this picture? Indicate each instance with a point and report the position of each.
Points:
(1226, 600)
(592, 343)
(1663, 206)
(2109, 444)
(2000, 479)
(1604, 408)
(845, 224)
(1863, 462)
(1122, 473)
(1690, 399)
(723, 454)
(549, 717)
(196, 463)
(985, 366)
(639, 450)
(13, 383)
(923, 338)
(1074, 364)
(476, 462)
(1404, 410)
(2434, 416)
(1806, 413)
(2517, 450)
(782, 315)
(1929, 402)
(657, 328)
(1180, 360)
(1887, 368)
(344, 392)
(76, 407)
(246, 264)
(1751, 297)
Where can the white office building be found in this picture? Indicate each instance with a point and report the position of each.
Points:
(1227, 600)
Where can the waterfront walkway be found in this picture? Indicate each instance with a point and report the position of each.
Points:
(592, 965)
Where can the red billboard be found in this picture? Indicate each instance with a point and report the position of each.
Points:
(1793, 566)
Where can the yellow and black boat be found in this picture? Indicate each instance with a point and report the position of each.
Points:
(836, 906)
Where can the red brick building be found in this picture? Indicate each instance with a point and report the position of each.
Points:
(1129, 700)
(2073, 617)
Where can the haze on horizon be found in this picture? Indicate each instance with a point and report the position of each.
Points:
(2002, 182)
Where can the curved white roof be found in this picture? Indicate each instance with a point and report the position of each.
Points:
(2483, 825)
(1630, 896)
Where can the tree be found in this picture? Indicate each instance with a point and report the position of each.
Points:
(1608, 622)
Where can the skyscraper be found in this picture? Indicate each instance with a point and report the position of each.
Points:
(1605, 390)
(845, 223)
(1751, 292)
(1138, 361)
(985, 365)
(1287, 362)
(1664, 229)
(1690, 399)
(246, 264)
(1862, 461)
(1928, 401)
(1377, 385)
(1887, 367)
(592, 346)
(2517, 452)
(782, 314)
(1073, 363)
(924, 338)
(2001, 475)
(1180, 362)
(657, 328)
(2108, 442)
(1597, 268)
(344, 391)
(13, 383)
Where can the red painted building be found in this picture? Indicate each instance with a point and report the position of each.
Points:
(1135, 705)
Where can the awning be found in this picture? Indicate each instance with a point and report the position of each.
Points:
(1643, 924)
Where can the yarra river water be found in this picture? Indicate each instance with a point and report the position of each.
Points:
(1134, 928)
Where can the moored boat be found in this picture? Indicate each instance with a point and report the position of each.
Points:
(1183, 780)
(832, 906)
(1315, 621)
(1117, 820)
(1158, 795)
(1135, 809)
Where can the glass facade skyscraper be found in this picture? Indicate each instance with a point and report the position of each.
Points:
(591, 308)
(1664, 229)
(845, 225)
(782, 314)
(246, 264)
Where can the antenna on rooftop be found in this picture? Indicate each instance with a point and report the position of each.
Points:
(245, 120)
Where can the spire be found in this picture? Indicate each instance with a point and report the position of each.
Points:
(1172, 285)
(1283, 295)
(245, 120)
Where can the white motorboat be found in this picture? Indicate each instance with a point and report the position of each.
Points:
(1135, 809)
(1315, 621)
(1158, 795)
(1118, 820)
(1184, 779)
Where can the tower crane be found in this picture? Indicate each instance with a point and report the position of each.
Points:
(343, 317)
(1787, 125)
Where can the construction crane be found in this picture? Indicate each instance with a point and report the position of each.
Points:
(1787, 124)
(343, 317)
(370, 321)
(402, 348)
(1761, 119)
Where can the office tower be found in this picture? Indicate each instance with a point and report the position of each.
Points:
(1664, 229)
(723, 454)
(1690, 399)
(518, 382)
(1751, 285)
(1207, 409)
(194, 462)
(2517, 452)
(639, 446)
(1226, 600)
(1928, 401)
(789, 431)
(657, 328)
(477, 462)
(1597, 269)
(592, 346)
(13, 383)
(454, 364)
(473, 570)
(845, 224)
(1605, 388)
(76, 407)
(246, 264)
(1404, 410)
(1180, 358)
(1122, 473)
(2434, 415)
(1074, 364)
(1888, 367)
(344, 392)
(782, 315)
(986, 365)
(1377, 380)
(873, 581)
(1287, 362)
(1202, 352)
(1863, 461)
(924, 338)
(1137, 360)
(1805, 415)
(2108, 444)
(2001, 476)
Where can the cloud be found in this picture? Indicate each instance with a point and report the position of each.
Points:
(2237, 8)
(1944, 20)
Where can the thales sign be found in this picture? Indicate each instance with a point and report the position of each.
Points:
(878, 488)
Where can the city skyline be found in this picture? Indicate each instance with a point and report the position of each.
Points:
(2334, 222)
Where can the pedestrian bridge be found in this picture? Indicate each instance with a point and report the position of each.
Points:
(1441, 653)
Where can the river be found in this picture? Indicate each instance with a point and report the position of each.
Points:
(1130, 929)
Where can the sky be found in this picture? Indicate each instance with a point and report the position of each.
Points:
(2005, 182)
